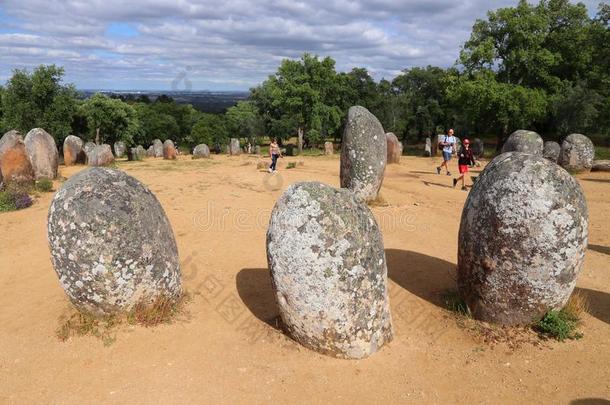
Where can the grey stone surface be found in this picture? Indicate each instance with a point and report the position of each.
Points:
(111, 243)
(428, 147)
(522, 239)
(119, 149)
(234, 148)
(136, 153)
(577, 153)
(14, 162)
(201, 151)
(88, 148)
(524, 141)
(74, 151)
(169, 150)
(101, 155)
(42, 152)
(551, 151)
(328, 267)
(158, 148)
(329, 148)
(478, 147)
(363, 154)
(394, 148)
(257, 150)
(150, 152)
(601, 166)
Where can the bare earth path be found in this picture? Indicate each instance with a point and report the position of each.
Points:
(229, 350)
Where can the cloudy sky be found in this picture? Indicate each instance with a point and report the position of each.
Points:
(228, 44)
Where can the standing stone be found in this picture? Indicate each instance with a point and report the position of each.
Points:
(101, 155)
(73, 151)
(14, 162)
(363, 154)
(329, 148)
(119, 149)
(601, 166)
(478, 148)
(428, 147)
(136, 154)
(150, 152)
(111, 243)
(394, 148)
(42, 152)
(169, 150)
(158, 147)
(551, 151)
(327, 262)
(88, 148)
(524, 141)
(201, 151)
(523, 237)
(234, 148)
(257, 150)
(435, 146)
(577, 152)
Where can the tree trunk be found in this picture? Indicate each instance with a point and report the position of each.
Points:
(300, 141)
(97, 136)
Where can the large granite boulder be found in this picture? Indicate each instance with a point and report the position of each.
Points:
(551, 151)
(601, 166)
(523, 237)
(111, 243)
(158, 147)
(234, 148)
(524, 141)
(201, 151)
(327, 262)
(42, 152)
(101, 155)
(14, 162)
(577, 152)
(329, 148)
(169, 150)
(394, 148)
(119, 149)
(478, 148)
(363, 154)
(73, 151)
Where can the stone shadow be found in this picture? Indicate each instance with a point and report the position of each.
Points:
(254, 289)
(600, 249)
(599, 303)
(425, 276)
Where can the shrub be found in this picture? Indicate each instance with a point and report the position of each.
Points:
(13, 198)
(562, 324)
(44, 185)
(291, 165)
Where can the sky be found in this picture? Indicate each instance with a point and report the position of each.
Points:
(230, 44)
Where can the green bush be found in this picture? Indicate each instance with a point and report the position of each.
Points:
(560, 325)
(7, 203)
(14, 197)
(291, 165)
(44, 185)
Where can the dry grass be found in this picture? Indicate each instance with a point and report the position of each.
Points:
(379, 201)
(577, 305)
(163, 310)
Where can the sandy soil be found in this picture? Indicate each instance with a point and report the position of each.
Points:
(229, 351)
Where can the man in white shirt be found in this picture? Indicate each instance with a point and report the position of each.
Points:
(448, 145)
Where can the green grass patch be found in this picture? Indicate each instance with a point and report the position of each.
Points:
(44, 185)
(15, 197)
(563, 324)
(602, 152)
(291, 165)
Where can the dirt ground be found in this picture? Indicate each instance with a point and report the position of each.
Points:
(229, 350)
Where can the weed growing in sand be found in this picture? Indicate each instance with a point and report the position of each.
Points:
(163, 310)
(562, 324)
(454, 303)
(291, 165)
(379, 201)
(44, 185)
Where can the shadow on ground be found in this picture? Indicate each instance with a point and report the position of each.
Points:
(590, 401)
(600, 249)
(599, 303)
(425, 276)
(598, 180)
(429, 183)
(254, 288)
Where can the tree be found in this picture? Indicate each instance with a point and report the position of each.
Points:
(244, 121)
(111, 119)
(211, 130)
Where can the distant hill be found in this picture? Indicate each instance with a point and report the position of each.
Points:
(206, 101)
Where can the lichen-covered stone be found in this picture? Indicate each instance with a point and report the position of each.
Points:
(524, 141)
(88, 148)
(42, 152)
(158, 148)
(577, 152)
(601, 166)
(201, 151)
(257, 150)
(329, 148)
(328, 268)
(111, 243)
(150, 152)
(394, 148)
(119, 149)
(169, 150)
(73, 151)
(136, 153)
(234, 148)
(478, 147)
(522, 239)
(551, 151)
(428, 147)
(101, 155)
(363, 154)
(14, 162)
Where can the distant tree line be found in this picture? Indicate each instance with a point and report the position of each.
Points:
(544, 67)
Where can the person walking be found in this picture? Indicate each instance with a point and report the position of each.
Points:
(448, 144)
(465, 159)
(274, 153)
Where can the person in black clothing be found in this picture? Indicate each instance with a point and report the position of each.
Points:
(465, 159)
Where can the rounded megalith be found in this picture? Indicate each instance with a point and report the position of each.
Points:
(88, 148)
(363, 154)
(523, 236)
(73, 151)
(328, 268)
(601, 166)
(524, 141)
(201, 151)
(551, 151)
(234, 148)
(329, 148)
(14, 162)
(478, 148)
(150, 152)
(42, 152)
(428, 147)
(158, 147)
(577, 152)
(394, 148)
(136, 153)
(119, 149)
(111, 243)
(101, 155)
(169, 150)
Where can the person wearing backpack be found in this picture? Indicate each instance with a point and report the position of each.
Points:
(448, 145)
(465, 159)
